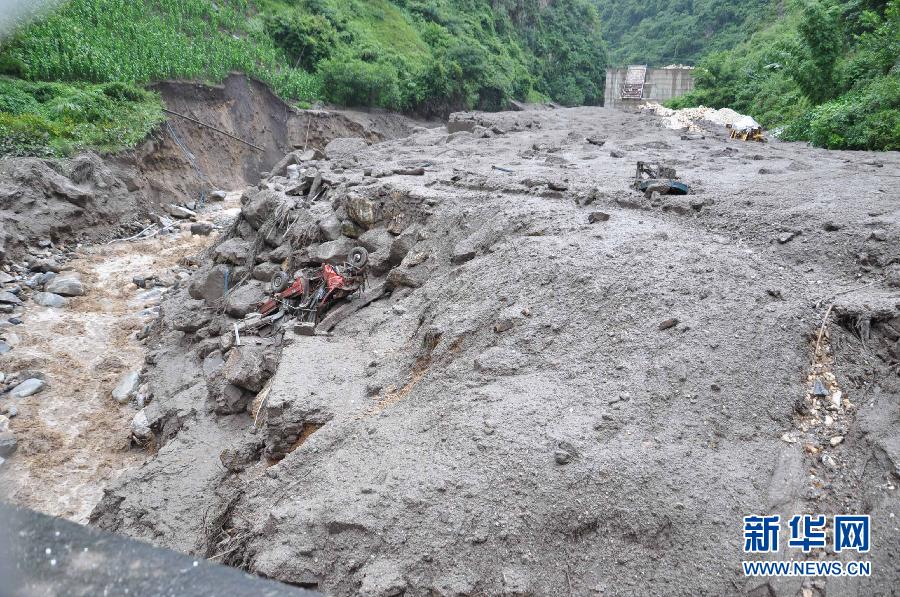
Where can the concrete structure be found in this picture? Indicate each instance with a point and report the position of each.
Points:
(661, 84)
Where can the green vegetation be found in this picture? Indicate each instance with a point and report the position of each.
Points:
(828, 73)
(660, 32)
(426, 56)
(142, 41)
(55, 119)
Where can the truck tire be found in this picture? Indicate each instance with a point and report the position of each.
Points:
(358, 257)
(280, 281)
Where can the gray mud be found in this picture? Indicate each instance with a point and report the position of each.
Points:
(539, 405)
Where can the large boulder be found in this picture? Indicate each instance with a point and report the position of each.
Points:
(66, 189)
(362, 211)
(244, 300)
(189, 316)
(330, 227)
(344, 147)
(402, 245)
(227, 398)
(378, 243)
(233, 250)
(66, 285)
(264, 271)
(256, 207)
(250, 367)
(209, 285)
(334, 251)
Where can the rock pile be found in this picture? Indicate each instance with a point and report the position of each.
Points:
(312, 208)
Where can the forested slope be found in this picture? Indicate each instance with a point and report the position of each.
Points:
(826, 71)
(660, 32)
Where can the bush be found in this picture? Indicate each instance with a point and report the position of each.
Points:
(55, 119)
(306, 39)
(865, 119)
(352, 82)
(826, 74)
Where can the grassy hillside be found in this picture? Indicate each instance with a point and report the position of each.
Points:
(427, 56)
(660, 32)
(827, 72)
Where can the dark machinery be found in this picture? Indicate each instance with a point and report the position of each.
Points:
(654, 177)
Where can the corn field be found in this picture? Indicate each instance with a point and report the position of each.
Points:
(124, 40)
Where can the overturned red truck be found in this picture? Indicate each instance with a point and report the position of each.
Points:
(312, 292)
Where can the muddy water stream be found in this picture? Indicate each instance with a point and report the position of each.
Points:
(73, 437)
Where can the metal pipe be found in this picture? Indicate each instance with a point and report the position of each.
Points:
(218, 130)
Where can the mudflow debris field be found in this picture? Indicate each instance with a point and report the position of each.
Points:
(552, 384)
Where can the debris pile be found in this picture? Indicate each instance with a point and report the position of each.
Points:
(315, 240)
(702, 119)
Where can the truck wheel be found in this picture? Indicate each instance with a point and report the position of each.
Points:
(358, 257)
(280, 281)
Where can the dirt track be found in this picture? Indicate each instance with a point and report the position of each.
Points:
(514, 419)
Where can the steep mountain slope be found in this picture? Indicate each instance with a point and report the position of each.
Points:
(660, 32)
(828, 72)
(424, 56)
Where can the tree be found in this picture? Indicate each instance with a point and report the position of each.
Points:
(821, 46)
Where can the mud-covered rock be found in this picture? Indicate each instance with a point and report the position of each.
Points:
(404, 277)
(500, 361)
(382, 578)
(256, 206)
(250, 367)
(402, 245)
(344, 147)
(264, 271)
(209, 285)
(330, 227)
(279, 254)
(334, 251)
(190, 316)
(375, 240)
(463, 251)
(227, 398)
(66, 285)
(245, 299)
(233, 250)
(892, 275)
